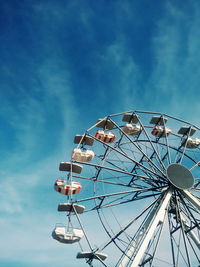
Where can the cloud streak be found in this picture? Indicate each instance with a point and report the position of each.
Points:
(64, 66)
(175, 77)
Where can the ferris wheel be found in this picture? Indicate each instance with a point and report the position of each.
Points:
(132, 190)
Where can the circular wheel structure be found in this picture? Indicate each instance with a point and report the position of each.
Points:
(139, 203)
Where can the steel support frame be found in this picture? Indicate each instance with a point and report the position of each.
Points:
(134, 254)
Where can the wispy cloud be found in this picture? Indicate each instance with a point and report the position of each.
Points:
(42, 122)
(71, 64)
(175, 77)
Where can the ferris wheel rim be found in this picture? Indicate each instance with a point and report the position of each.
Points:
(151, 170)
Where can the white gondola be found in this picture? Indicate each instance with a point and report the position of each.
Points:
(67, 189)
(131, 129)
(105, 137)
(191, 143)
(69, 207)
(82, 156)
(91, 255)
(61, 234)
(159, 131)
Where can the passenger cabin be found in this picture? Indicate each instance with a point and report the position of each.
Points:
(106, 137)
(159, 131)
(83, 139)
(67, 189)
(105, 124)
(69, 207)
(131, 129)
(130, 117)
(70, 167)
(91, 255)
(191, 143)
(82, 156)
(61, 234)
(158, 120)
(186, 130)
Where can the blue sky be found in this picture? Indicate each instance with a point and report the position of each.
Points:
(64, 64)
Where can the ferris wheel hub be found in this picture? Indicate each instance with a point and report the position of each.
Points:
(180, 176)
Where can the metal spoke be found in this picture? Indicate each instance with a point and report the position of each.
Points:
(115, 170)
(113, 238)
(143, 168)
(183, 234)
(118, 193)
(191, 198)
(135, 144)
(150, 141)
(167, 144)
